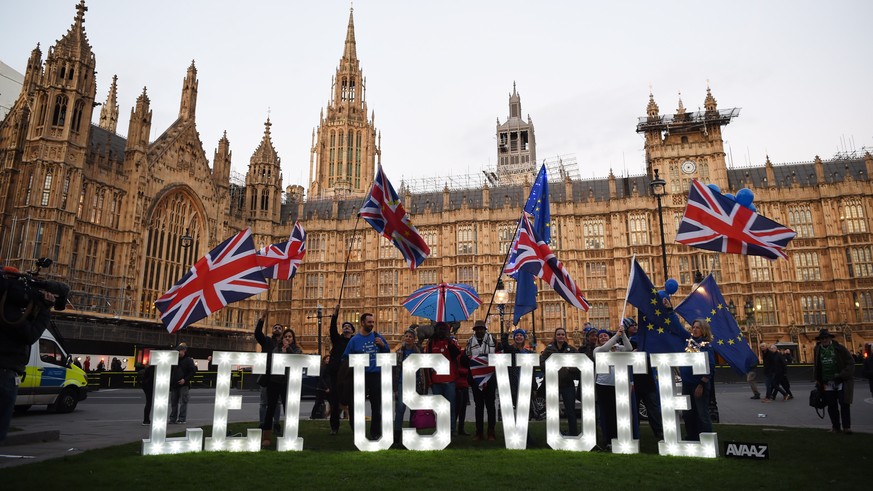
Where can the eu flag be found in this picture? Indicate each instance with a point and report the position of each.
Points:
(660, 330)
(538, 206)
(706, 302)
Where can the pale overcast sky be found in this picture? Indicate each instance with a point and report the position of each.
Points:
(439, 73)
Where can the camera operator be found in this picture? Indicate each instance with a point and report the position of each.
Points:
(22, 321)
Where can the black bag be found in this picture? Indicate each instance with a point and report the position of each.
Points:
(317, 410)
(817, 401)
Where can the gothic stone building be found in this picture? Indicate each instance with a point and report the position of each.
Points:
(112, 210)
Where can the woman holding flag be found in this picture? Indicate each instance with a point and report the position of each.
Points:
(566, 377)
(484, 385)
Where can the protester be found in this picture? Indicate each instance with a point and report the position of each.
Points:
(833, 371)
(277, 386)
(645, 386)
(605, 384)
(770, 368)
(480, 345)
(180, 385)
(698, 387)
(369, 342)
(340, 387)
(519, 338)
(566, 377)
(407, 347)
(322, 389)
(462, 392)
(592, 340)
(18, 331)
(751, 378)
(146, 376)
(267, 346)
(443, 343)
(780, 373)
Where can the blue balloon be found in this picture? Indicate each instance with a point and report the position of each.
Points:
(745, 197)
(714, 188)
(730, 196)
(672, 286)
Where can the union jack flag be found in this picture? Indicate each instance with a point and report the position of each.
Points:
(229, 273)
(280, 261)
(480, 370)
(529, 253)
(382, 210)
(717, 223)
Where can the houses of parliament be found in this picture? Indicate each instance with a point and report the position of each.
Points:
(112, 211)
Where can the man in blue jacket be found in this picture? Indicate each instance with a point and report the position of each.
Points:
(370, 342)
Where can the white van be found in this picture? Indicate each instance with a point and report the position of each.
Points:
(51, 378)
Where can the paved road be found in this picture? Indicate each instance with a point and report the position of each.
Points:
(113, 416)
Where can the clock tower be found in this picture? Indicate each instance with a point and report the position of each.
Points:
(686, 145)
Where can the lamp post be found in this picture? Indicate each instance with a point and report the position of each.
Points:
(185, 242)
(732, 309)
(659, 189)
(318, 312)
(501, 297)
(750, 318)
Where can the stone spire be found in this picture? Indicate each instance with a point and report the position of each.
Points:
(188, 106)
(109, 112)
(652, 110)
(350, 51)
(709, 104)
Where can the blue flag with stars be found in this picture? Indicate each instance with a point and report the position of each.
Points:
(538, 206)
(660, 330)
(706, 302)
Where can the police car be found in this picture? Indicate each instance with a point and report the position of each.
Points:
(51, 378)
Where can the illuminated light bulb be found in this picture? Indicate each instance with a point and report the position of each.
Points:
(671, 403)
(576, 443)
(440, 438)
(514, 426)
(385, 361)
(157, 442)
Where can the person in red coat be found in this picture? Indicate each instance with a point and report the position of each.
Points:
(442, 342)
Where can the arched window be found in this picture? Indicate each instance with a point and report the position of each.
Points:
(43, 102)
(265, 200)
(59, 116)
(166, 260)
(46, 188)
(77, 115)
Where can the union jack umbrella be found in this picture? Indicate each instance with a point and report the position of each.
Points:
(445, 302)
(229, 273)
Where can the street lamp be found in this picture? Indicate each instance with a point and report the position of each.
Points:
(318, 312)
(659, 189)
(185, 242)
(501, 298)
(732, 309)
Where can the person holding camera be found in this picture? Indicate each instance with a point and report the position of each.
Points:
(24, 315)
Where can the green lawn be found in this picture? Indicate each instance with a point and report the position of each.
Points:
(799, 459)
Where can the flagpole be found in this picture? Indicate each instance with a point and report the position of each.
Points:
(348, 256)
(500, 273)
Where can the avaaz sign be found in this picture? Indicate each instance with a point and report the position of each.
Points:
(515, 428)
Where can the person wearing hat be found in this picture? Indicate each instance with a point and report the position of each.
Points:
(340, 389)
(480, 345)
(183, 372)
(267, 346)
(833, 372)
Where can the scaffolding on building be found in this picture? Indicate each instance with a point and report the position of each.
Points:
(559, 169)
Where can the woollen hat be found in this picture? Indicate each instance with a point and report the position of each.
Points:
(519, 331)
(627, 322)
(604, 331)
